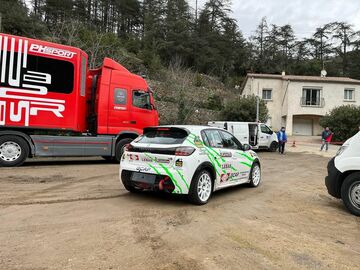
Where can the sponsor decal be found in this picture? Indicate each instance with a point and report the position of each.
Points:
(163, 160)
(51, 51)
(198, 143)
(146, 159)
(225, 154)
(179, 163)
(22, 83)
(226, 166)
(224, 177)
(142, 169)
(133, 157)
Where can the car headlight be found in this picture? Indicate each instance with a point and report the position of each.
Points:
(341, 150)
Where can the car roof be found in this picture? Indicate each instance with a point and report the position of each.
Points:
(191, 127)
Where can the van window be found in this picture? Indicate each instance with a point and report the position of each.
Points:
(212, 138)
(265, 129)
(120, 97)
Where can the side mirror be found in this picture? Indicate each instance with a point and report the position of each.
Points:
(246, 147)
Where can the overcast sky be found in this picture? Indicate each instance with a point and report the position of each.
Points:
(304, 15)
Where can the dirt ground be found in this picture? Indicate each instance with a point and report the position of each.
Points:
(76, 215)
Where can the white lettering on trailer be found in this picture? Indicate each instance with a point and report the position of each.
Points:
(24, 106)
(51, 51)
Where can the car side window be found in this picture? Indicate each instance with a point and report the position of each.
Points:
(212, 138)
(229, 141)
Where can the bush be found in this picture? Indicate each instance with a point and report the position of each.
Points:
(243, 109)
(344, 121)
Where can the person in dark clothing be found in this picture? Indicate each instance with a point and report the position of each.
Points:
(326, 138)
(282, 138)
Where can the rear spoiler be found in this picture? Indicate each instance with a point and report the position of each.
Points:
(165, 128)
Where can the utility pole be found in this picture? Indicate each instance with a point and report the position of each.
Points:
(0, 22)
(196, 11)
(258, 105)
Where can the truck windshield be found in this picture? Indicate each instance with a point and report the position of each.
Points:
(141, 99)
(163, 136)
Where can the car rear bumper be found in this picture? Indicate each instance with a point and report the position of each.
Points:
(333, 180)
(168, 178)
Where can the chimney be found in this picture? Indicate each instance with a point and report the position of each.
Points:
(283, 73)
(323, 73)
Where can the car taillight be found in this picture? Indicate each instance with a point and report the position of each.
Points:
(128, 147)
(184, 151)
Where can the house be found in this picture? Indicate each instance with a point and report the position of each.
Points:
(299, 102)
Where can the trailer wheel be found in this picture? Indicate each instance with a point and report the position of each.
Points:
(119, 149)
(13, 151)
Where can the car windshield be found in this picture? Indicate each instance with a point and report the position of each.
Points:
(163, 136)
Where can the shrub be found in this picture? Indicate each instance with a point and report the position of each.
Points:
(344, 121)
(243, 109)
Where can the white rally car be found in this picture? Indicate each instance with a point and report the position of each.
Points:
(192, 160)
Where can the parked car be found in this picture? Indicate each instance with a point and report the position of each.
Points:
(192, 160)
(257, 135)
(343, 180)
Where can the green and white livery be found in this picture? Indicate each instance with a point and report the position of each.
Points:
(192, 160)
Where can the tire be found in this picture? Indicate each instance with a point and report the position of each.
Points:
(255, 175)
(273, 146)
(119, 149)
(13, 151)
(201, 188)
(350, 193)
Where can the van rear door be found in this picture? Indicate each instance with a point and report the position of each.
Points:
(240, 131)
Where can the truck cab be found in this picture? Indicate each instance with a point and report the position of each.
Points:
(52, 105)
(257, 135)
(343, 179)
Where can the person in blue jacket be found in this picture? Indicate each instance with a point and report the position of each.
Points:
(282, 138)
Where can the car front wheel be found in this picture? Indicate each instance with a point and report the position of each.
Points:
(255, 175)
(201, 188)
(350, 193)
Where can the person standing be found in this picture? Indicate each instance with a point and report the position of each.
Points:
(326, 136)
(282, 138)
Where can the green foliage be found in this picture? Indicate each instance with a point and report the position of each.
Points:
(243, 109)
(344, 121)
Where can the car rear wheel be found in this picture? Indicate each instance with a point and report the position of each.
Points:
(255, 175)
(201, 188)
(13, 151)
(350, 193)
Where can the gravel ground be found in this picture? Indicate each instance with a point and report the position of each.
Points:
(73, 214)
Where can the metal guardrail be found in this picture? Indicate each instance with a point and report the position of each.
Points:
(317, 103)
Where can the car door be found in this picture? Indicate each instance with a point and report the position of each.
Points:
(241, 162)
(219, 156)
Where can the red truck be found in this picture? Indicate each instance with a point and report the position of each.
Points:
(52, 105)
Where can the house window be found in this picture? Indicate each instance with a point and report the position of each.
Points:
(267, 94)
(311, 97)
(349, 94)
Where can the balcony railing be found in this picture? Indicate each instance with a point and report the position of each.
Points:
(317, 103)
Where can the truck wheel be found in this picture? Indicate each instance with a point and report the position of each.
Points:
(201, 188)
(13, 151)
(119, 149)
(273, 147)
(255, 175)
(350, 193)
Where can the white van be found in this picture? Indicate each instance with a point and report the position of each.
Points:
(258, 135)
(343, 180)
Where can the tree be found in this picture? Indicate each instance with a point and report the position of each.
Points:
(243, 109)
(343, 121)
